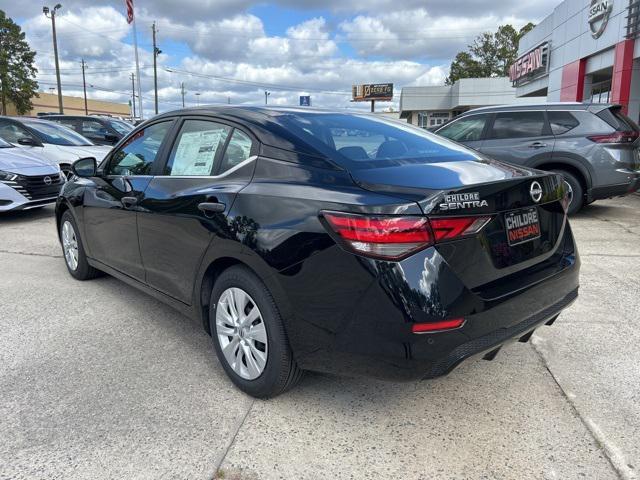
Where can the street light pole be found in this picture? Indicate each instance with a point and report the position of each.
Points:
(156, 52)
(84, 88)
(133, 94)
(51, 13)
(182, 92)
(266, 96)
(197, 99)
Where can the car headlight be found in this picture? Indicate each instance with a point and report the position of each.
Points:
(7, 175)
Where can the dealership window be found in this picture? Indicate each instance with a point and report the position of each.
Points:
(601, 92)
(438, 118)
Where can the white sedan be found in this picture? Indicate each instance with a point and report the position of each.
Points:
(57, 144)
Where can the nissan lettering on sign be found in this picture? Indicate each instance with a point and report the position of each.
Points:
(373, 91)
(530, 66)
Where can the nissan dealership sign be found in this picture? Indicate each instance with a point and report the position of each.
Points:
(530, 66)
(599, 13)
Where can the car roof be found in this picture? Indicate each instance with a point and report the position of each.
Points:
(594, 107)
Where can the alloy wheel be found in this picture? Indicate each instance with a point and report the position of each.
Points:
(241, 333)
(70, 245)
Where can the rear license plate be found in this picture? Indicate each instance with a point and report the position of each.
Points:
(522, 225)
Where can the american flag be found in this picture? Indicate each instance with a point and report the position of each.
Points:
(129, 4)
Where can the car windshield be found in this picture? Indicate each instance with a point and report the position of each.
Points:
(364, 141)
(4, 144)
(121, 127)
(57, 134)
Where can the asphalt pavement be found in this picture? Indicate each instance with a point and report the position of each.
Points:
(98, 380)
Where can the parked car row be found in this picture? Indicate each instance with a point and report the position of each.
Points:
(594, 146)
(36, 154)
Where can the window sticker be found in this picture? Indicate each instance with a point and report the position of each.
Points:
(196, 152)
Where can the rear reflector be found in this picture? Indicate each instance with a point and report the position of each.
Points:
(454, 227)
(437, 326)
(395, 238)
(616, 137)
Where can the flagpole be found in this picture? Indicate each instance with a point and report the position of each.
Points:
(135, 46)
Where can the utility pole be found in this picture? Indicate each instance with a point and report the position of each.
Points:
(84, 87)
(133, 94)
(51, 13)
(266, 96)
(182, 92)
(156, 52)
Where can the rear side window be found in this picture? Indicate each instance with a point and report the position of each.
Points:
(466, 129)
(238, 150)
(562, 122)
(618, 120)
(517, 125)
(196, 149)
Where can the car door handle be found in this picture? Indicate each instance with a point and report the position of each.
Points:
(129, 202)
(211, 207)
(537, 145)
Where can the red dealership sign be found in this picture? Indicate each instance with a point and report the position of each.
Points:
(530, 65)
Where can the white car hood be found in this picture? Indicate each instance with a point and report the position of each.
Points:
(96, 151)
(17, 160)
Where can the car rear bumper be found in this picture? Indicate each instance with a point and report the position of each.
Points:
(632, 184)
(374, 337)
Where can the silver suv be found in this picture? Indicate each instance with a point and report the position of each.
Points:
(595, 146)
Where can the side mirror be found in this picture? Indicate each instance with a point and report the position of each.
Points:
(85, 167)
(28, 142)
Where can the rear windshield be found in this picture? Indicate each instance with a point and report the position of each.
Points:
(57, 134)
(364, 141)
(618, 120)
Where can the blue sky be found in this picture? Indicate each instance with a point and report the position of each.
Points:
(238, 48)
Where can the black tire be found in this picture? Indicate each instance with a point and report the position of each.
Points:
(83, 270)
(281, 371)
(578, 200)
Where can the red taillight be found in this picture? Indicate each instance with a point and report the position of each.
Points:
(377, 236)
(437, 326)
(616, 137)
(394, 238)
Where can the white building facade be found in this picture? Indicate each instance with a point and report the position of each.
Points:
(432, 106)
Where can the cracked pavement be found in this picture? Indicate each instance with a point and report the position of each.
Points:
(98, 380)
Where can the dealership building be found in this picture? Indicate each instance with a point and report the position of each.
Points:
(584, 51)
(431, 106)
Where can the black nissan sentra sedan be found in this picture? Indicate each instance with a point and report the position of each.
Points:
(387, 251)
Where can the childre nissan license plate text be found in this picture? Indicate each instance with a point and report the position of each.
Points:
(522, 225)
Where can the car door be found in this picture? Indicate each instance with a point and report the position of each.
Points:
(111, 204)
(523, 138)
(186, 205)
(467, 130)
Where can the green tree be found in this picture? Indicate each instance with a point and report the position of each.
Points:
(17, 70)
(490, 54)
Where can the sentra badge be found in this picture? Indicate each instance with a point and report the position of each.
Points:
(459, 201)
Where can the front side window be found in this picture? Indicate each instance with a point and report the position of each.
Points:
(468, 129)
(197, 148)
(517, 125)
(137, 155)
